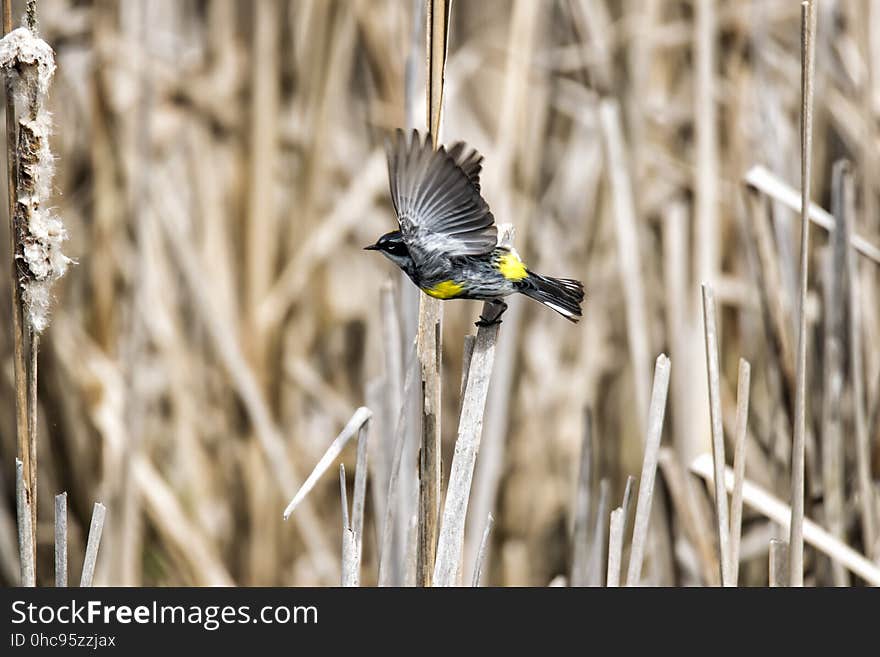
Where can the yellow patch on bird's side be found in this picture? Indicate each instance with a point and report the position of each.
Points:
(511, 267)
(444, 290)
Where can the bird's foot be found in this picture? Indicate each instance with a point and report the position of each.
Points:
(495, 318)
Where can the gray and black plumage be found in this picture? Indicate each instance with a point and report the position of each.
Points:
(448, 243)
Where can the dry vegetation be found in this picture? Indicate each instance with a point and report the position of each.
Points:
(219, 168)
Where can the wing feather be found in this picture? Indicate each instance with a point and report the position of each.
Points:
(436, 195)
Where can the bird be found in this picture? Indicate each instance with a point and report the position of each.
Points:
(447, 241)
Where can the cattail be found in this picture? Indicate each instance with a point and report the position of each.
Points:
(30, 63)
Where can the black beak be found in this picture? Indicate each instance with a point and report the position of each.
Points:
(372, 247)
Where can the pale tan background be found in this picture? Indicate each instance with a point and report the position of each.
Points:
(219, 168)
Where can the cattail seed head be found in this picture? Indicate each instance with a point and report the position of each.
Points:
(29, 64)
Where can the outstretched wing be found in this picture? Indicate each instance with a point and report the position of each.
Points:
(436, 195)
(468, 160)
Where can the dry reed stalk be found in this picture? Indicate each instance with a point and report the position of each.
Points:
(349, 431)
(706, 122)
(360, 490)
(796, 539)
(350, 539)
(581, 532)
(629, 258)
(484, 550)
(490, 467)
(19, 358)
(61, 540)
(834, 305)
(722, 521)
(466, 355)
(739, 465)
(262, 215)
(762, 179)
(778, 569)
(856, 365)
(26, 552)
(675, 274)
(775, 303)
(626, 504)
(656, 412)
(31, 375)
(776, 510)
(467, 445)
(96, 528)
(617, 534)
(343, 495)
(615, 547)
(430, 314)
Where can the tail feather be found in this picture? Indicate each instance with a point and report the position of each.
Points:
(564, 295)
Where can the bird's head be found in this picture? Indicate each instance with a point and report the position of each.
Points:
(394, 248)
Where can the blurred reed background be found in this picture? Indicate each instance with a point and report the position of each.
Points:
(220, 166)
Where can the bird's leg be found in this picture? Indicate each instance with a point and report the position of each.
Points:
(499, 307)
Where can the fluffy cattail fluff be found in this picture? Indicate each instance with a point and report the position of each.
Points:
(29, 64)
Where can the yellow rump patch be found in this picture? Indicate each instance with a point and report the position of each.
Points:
(511, 267)
(445, 290)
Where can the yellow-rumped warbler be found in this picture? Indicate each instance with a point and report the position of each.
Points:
(448, 243)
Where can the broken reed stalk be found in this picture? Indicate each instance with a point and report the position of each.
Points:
(615, 547)
(94, 542)
(343, 496)
(26, 553)
(350, 575)
(626, 505)
(484, 549)
(430, 315)
(778, 569)
(796, 538)
(722, 522)
(779, 512)
(467, 445)
(616, 534)
(360, 490)
(61, 540)
(739, 465)
(656, 412)
(350, 540)
(361, 415)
